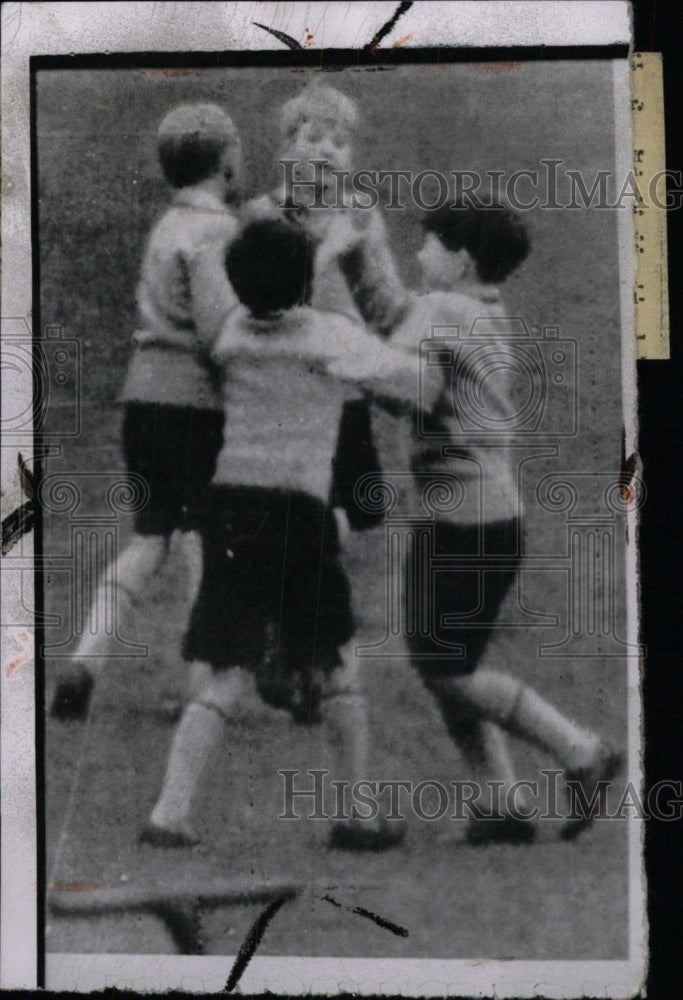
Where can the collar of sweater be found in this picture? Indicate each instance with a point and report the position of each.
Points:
(285, 321)
(199, 198)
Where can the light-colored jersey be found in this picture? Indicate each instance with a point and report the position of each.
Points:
(466, 395)
(282, 406)
(184, 297)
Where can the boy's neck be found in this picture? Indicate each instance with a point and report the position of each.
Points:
(214, 185)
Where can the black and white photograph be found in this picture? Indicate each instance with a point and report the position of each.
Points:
(337, 479)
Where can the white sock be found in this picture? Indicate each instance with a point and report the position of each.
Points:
(111, 612)
(119, 587)
(519, 709)
(347, 717)
(198, 735)
(194, 563)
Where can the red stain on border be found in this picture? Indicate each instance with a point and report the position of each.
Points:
(497, 67)
(24, 657)
(402, 41)
(11, 667)
(79, 885)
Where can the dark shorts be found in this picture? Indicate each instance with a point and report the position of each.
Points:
(450, 613)
(274, 597)
(174, 449)
(355, 456)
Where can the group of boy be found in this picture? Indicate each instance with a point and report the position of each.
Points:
(264, 330)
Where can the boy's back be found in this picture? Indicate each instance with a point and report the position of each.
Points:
(282, 408)
(183, 297)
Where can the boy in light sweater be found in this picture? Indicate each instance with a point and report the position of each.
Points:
(173, 417)
(273, 613)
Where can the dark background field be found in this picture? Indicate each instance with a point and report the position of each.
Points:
(99, 190)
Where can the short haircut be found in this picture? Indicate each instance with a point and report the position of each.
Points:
(495, 237)
(270, 266)
(316, 102)
(191, 141)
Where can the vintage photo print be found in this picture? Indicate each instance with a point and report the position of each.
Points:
(323, 667)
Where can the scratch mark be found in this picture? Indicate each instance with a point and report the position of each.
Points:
(388, 925)
(389, 26)
(20, 521)
(254, 935)
(287, 40)
(17, 524)
(28, 483)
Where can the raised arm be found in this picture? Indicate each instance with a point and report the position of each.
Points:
(370, 272)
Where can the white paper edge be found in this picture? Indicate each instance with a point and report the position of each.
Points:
(52, 28)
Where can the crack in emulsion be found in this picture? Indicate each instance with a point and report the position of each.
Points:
(252, 941)
(389, 25)
(379, 35)
(361, 911)
(287, 40)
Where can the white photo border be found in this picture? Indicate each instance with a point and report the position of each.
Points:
(62, 29)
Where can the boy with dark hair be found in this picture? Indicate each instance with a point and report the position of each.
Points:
(173, 418)
(273, 612)
(495, 239)
(465, 251)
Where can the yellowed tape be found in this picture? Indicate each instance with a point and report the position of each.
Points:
(651, 293)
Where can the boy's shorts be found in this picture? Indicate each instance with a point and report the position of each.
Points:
(472, 595)
(274, 597)
(355, 457)
(174, 449)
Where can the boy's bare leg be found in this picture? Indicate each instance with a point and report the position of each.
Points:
(196, 740)
(119, 588)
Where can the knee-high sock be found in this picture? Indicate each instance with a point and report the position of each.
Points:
(482, 744)
(194, 563)
(347, 718)
(119, 587)
(197, 738)
(198, 735)
(520, 710)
